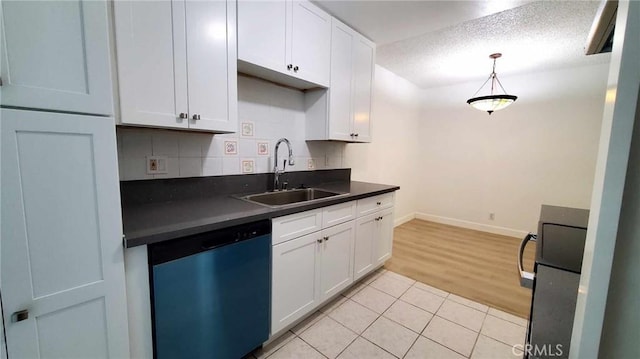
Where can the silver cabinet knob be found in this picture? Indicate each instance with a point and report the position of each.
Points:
(296, 68)
(289, 67)
(196, 117)
(326, 239)
(319, 240)
(183, 115)
(378, 203)
(356, 134)
(352, 134)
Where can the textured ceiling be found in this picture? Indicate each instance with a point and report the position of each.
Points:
(537, 36)
(390, 21)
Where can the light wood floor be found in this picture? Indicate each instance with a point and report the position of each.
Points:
(476, 265)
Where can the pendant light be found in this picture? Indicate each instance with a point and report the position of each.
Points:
(492, 102)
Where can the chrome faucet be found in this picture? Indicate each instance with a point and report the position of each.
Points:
(276, 170)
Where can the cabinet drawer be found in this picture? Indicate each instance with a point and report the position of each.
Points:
(296, 225)
(338, 213)
(375, 203)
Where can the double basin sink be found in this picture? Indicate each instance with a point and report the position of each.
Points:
(293, 196)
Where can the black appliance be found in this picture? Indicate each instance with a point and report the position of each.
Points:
(559, 249)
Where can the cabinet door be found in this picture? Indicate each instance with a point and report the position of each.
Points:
(295, 278)
(55, 56)
(262, 27)
(384, 236)
(337, 259)
(310, 43)
(62, 255)
(340, 92)
(365, 245)
(151, 53)
(363, 71)
(211, 65)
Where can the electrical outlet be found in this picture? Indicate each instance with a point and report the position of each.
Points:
(157, 165)
(492, 216)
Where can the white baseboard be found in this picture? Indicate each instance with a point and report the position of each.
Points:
(404, 219)
(472, 225)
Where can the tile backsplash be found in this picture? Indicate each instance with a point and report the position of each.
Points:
(266, 113)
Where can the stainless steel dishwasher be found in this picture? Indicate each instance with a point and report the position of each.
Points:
(210, 293)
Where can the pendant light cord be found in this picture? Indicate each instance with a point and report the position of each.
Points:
(494, 78)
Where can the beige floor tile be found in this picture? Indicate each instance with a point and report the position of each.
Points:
(328, 337)
(374, 275)
(374, 299)
(274, 345)
(353, 316)
(422, 299)
(296, 349)
(354, 289)
(504, 331)
(305, 324)
(408, 315)
(390, 285)
(363, 349)
(390, 336)
(451, 335)
(426, 348)
(399, 277)
(431, 289)
(468, 303)
(508, 317)
(461, 314)
(487, 348)
(335, 303)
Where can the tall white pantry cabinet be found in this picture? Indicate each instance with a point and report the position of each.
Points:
(61, 256)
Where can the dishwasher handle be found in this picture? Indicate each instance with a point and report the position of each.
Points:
(526, 278)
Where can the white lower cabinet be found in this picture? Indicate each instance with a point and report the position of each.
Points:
(295, 278)
(336, 259)
(309, 270)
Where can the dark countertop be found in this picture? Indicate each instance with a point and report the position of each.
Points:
(146, 223)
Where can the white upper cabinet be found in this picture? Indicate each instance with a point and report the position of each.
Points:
(343, 112)
(177, 64)
(285, 41)
(55, 56)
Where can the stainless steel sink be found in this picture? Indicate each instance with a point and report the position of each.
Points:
(283, 198)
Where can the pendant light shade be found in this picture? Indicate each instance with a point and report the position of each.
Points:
(492, 102)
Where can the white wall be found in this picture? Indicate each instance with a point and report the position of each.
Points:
(392, 157)
(273, 111)
(542, 149)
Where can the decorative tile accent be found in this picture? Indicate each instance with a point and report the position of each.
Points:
(248, 166)
(461, 314)
(263, 148)
(230, 147)
(390, 336)
(451, 335)
(246, 129)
